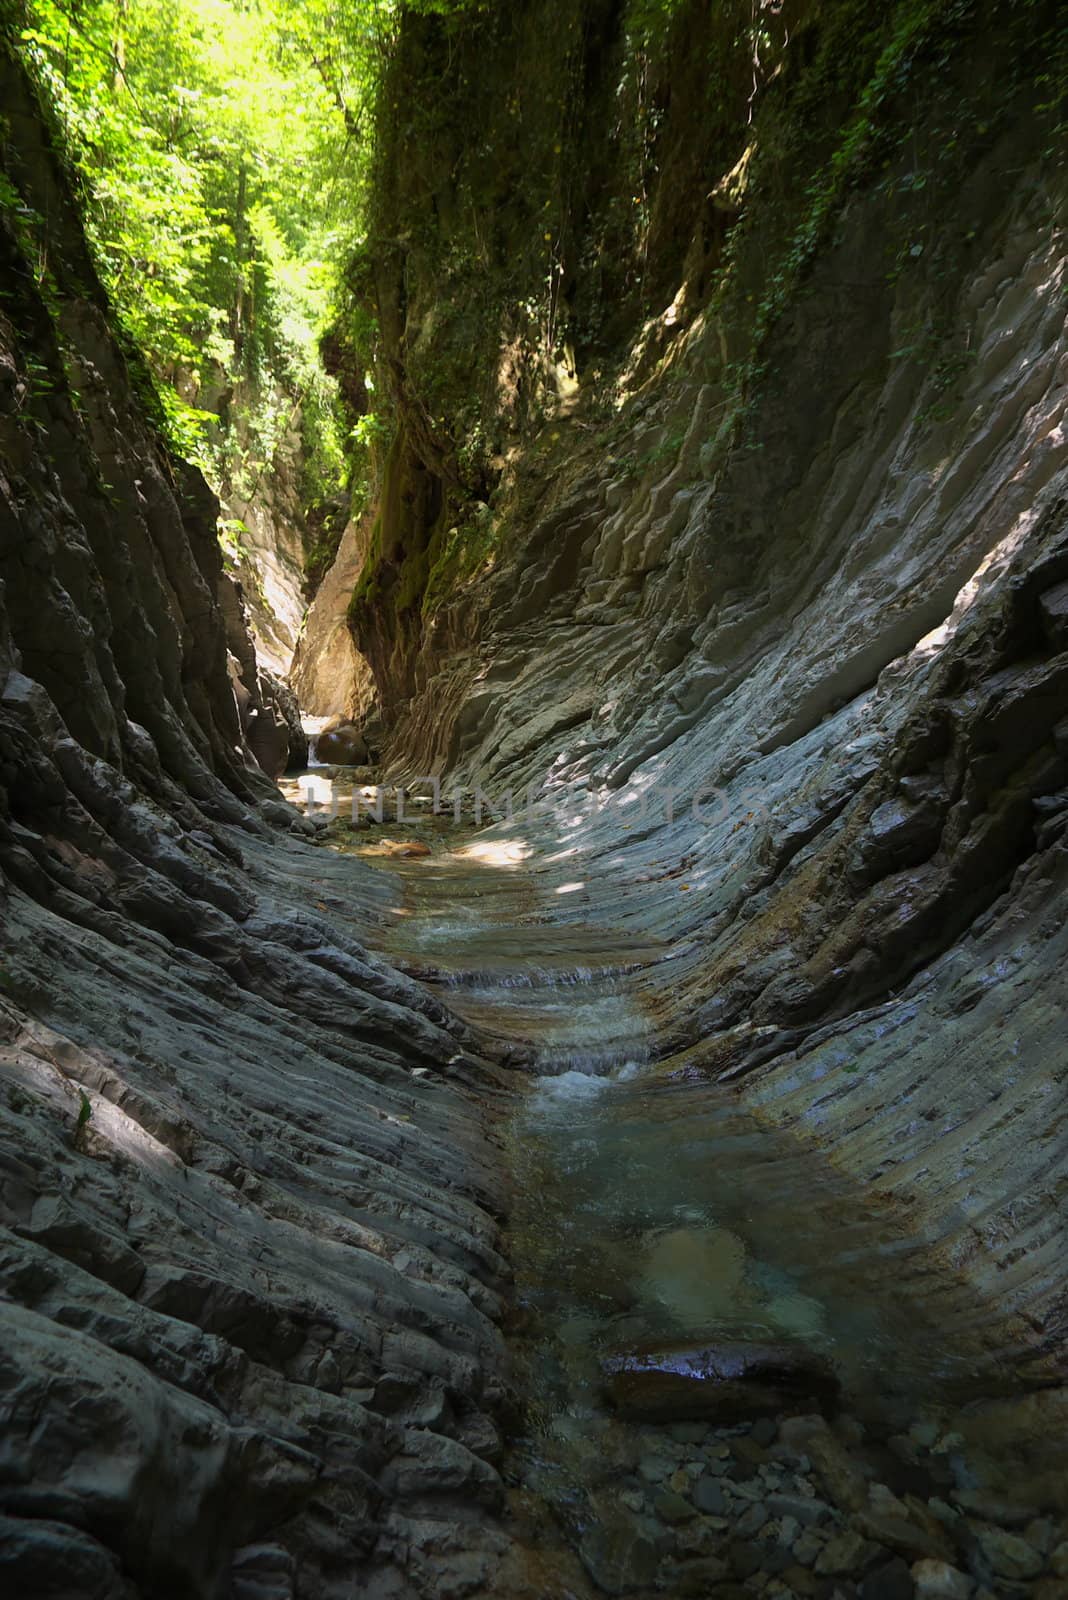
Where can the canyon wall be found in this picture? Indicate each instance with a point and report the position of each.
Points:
(801, 564)
(248, 1264)
(735, 481)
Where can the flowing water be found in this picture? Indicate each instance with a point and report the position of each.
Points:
(652, 1211)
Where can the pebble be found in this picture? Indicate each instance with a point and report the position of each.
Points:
(924, 1434)
(702, 1536)
(633, 1499)
(843, 1554)
(891, 1581)
(1059, 1560)
(750, 1522)
(1008, 1554)
(884, 1501)
(651, 1528)
(698, 1577)
(773, 1558)
(903, 1536)
(749, 1450)
(789, 1529)
(1003, 1512)
(764, 1431)
(751, 1491)
(672, 1508)
(708, 1496)
(654, 1469)
(937, 1580)
(805, 1510)
(808, 1547)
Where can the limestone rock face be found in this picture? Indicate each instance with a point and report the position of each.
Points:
(330, 675)
(249, 1274)
(269, 715)
(268, 561)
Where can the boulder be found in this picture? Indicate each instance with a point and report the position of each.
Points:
(344, 746)
(268, 739)
(277, 694)
(723, 1383)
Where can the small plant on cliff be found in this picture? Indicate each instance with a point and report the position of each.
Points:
(81, 1123)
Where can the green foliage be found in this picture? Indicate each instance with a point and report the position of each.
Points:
(847, 121)
(231, 543)
(220, 144)
(455, 554)
(649, 20)
(81, 1124)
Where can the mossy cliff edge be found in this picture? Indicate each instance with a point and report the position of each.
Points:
(581, 213)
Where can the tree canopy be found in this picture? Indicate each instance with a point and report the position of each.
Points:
(224, 151)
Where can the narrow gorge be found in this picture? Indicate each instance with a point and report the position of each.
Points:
(533, 870)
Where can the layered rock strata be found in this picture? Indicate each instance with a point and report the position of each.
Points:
(248, 1262)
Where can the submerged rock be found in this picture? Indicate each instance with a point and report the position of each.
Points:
(695, 1272)
(404, 847)
(937, 1580)
(671, 1507)
(1010, 1556)
(719, 1382)
(618, 1557)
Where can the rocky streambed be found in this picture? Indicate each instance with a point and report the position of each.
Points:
(733, 1372)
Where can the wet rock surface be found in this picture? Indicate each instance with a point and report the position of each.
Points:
(795, 709)
(718, 1382)
(635, 1217)
(764, 1519)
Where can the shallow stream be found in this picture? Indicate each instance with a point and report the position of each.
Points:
(655, 1212)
